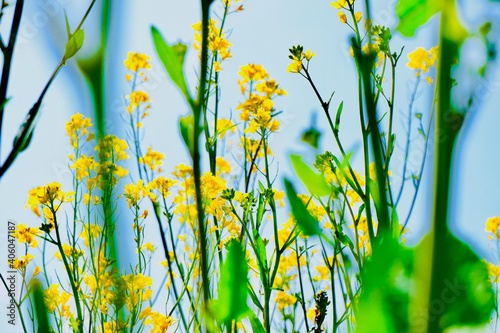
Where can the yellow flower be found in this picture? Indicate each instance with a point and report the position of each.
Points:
(284, 300)
(492, 225)
(421, 60)
(295, 66)
(36, 271)
(342, 17)
(358, 16)
(217, 43)
(83, 166)
(137, 61)
(50, 195)
(162, 185)
(342, 4)
(324, 273)
(25, 234)
(77, 128)
(90, 232)
(493, 272)
(152, 159)
(23, 261)
(137, 98)
(135, 192)
(159, 322)
(148, 247)
(224, 126)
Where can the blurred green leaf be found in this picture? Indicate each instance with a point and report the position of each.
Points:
(233, 293)
(40, 308)
(466, 295)
(387, 285)
(313, 181)
(308, 224)
(74, 44)
(311, 136)
(172, 58)
(413, 14)
(186, 126)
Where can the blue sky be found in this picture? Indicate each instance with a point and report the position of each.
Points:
(262, 33)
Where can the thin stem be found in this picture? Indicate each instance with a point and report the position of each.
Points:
(8, 52)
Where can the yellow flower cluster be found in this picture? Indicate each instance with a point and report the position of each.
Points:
(218, 45)
(258, 110)
(342, 4)
(56, 300)
(492, 225)
(50, 196)
(137, 99)
(25, 234)
(152, 159)
(421, 60)
(23, 261)
(137, 61)
(493, 272)
(77, 129)
(284, 300)
(158, 321)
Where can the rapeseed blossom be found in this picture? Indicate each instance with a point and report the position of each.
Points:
(421, 60)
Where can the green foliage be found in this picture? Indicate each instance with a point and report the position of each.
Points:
(232, 291)
(172, 58)
(40, 308)
(74, 44)
(313, 181)
(308, 224)
(413, 14)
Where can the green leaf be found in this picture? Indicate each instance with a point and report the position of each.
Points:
(339, 114)
(74, 44)
(233, 293)
(308, 224)
(40, 308)
(257, 326)
(186, 126)
(25, 132)
(260, 251)
(466, 295)
(68, 29)
(313, 181)
(172, 58)
(413, 14)
(383, 305)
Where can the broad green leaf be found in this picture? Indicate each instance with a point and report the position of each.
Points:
(387, 285)
(40, 308)
(313, 181)
(172, 58)
(413, 14)
(74, 44)
(466, 295)
(233, 293)
(308, 224)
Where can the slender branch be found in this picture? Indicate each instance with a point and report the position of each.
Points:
(8, 52)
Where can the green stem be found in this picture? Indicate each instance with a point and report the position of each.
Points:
(71, 278)
(446, 131)
(8, 52)
(197, 114)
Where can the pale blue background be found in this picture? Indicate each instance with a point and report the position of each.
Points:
(262, 33)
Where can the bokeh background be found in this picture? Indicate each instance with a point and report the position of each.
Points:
(262, 33)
